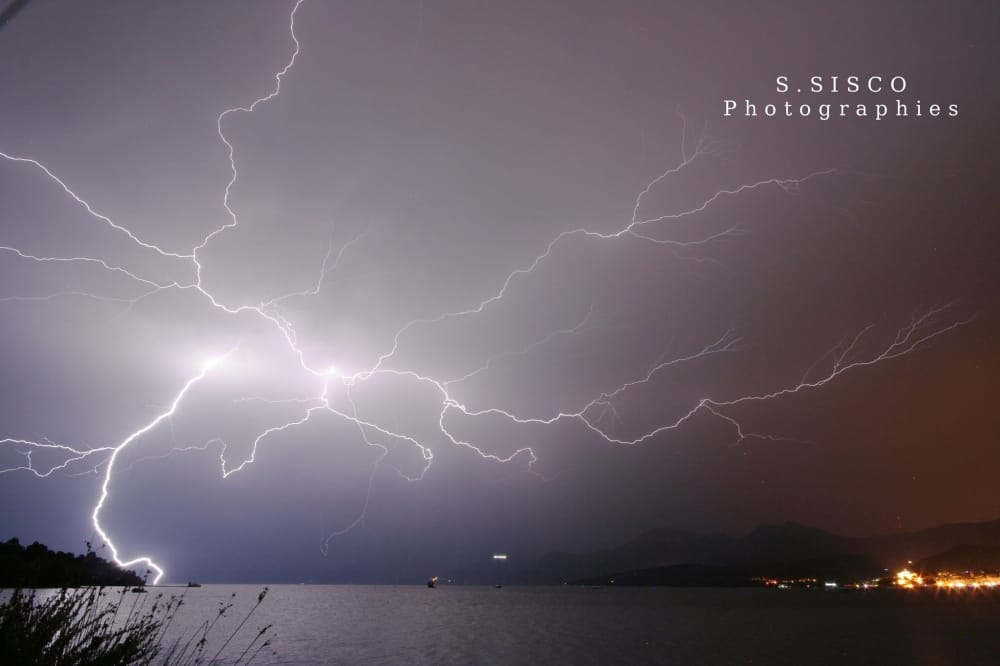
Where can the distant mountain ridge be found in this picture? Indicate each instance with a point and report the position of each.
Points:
(789, 546)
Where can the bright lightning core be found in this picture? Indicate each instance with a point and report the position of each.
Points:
(458, 396)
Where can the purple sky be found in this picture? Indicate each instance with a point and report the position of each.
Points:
(465, 176)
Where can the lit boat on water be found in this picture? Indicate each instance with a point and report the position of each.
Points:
(431, 582)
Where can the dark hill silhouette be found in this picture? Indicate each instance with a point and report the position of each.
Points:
(37, 566)
(964, 557)
(650, 549)
(768, 548)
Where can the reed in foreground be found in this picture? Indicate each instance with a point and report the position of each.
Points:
(94, 626)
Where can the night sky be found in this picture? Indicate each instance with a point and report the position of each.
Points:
(513, 248)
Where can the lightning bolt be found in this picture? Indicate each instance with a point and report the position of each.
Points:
(334, 389)
(106, 484)
(26, 448)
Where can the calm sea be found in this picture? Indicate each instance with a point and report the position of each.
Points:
(346, 624)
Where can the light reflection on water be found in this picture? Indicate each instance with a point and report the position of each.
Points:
(349, 624)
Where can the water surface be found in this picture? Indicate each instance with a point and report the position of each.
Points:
(347, 624)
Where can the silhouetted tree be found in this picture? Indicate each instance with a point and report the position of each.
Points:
(37, 566)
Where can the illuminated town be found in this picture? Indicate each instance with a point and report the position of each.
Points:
(903, 579)
(965, 580)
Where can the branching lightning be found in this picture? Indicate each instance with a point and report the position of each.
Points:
(105, 486)
(334, 390)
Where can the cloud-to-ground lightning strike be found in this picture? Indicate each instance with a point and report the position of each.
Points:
(334, 389)
(105, 485)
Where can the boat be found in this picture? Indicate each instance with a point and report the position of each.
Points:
(498, 586)
(138, 589)
(431, 582)
(191, 583)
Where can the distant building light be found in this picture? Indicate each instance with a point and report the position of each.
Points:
(908, 579)
(829, 584)
(499, 556)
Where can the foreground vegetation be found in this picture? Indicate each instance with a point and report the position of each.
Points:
(98, 627)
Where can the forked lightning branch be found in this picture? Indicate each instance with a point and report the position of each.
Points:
(329, 389)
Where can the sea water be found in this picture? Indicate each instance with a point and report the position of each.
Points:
(453, 624)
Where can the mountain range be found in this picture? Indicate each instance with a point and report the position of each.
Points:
(786, 550)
